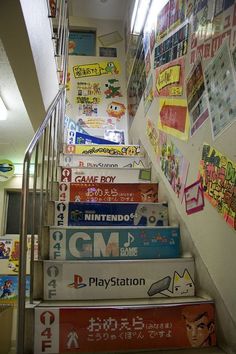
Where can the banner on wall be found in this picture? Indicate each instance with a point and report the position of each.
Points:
(173, 117)
(170, 79)
(97, 69)
(218, 174)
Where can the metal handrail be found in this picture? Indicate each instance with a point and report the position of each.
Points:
(42, 152)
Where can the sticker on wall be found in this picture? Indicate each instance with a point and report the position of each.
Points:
(170, 79)
(221, 90)
(6, 170)
(218, 175)
(116, 110)
(194, 198)
(173, 117)
(196, 98)
(97, 69)
(112, 89)
(175, 168)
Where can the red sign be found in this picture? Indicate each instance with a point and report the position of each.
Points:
(107, 192)
(174, 117)
(110, 329)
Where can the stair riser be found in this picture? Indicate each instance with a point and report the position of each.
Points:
(107, 243)
(93, 330)
(104, 150)
(102, 161)
(100, 192)
(80, 280)
(81, 138)
(91, 175)
(110, 214)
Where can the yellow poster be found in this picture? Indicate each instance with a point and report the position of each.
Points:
(173, 117)
(97, 69)
(105, 150)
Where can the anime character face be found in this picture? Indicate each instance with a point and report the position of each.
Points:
(116, 110)
(149, 195)
(199, 330)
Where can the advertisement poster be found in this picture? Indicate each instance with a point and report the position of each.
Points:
(97, 69)
(77, 138)
(108, 192)
(218, 175)
(175, 168)
(125, 328)
(106, 150)
(155, 136)
(106, 175)
(148, 94)
(111, 214)
(196, 98)
(221, 90)
(9, 289)
(114, 243)
(212, 33)
(194, 198)
(92, 161)
(172, 48)
(170, 79)
(116, 279)
(173, 117)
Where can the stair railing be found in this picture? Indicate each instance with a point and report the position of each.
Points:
(43, 154)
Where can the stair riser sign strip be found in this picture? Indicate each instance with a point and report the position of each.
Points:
(115, 243)
(87, 280)
(108, 192)
(90, 175)
(110, 214)
(104, 150)
(60, 330)
(75, 138)
(70, 160)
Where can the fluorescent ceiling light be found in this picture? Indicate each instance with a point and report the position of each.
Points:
(3, 110)
(141, 8)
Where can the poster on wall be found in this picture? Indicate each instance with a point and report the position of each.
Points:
(196, 98)
(96, 122)
(218, 175)
(221, 89)
(88, 92)
(9, 289)
(170, 78)
(148, 94)
(211, 36)
(172, 48)
(173, 117)
(97, 69)
(175, 168)
(156, 137)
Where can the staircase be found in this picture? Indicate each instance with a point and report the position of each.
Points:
(115, 279)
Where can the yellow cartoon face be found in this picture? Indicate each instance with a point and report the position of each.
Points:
(131, 150)
(116, 110)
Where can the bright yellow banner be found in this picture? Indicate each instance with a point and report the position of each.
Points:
(97, 69)
(104, 150)
(167, 77)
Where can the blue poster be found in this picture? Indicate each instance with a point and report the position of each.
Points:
(81, 138)
(111, 214)
(114, 243)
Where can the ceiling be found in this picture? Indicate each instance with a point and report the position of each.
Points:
(16, 132)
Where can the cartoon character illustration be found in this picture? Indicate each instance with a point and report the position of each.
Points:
(182, 285)
(72, 46)
(155, 215)
(148, 194)
(112, 91)
(200, 325)
(111, 68)
(130, 150)
(6, 289)
(116, 110)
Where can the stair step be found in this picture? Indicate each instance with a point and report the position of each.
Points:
(81, 161)
(108, 192)
(76, 243)
(95, 329)
(75, 138)
(104, 150)
(115, 175)
(110, 214)
(84, 280)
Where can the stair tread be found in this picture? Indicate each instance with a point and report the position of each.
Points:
(125, 302)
